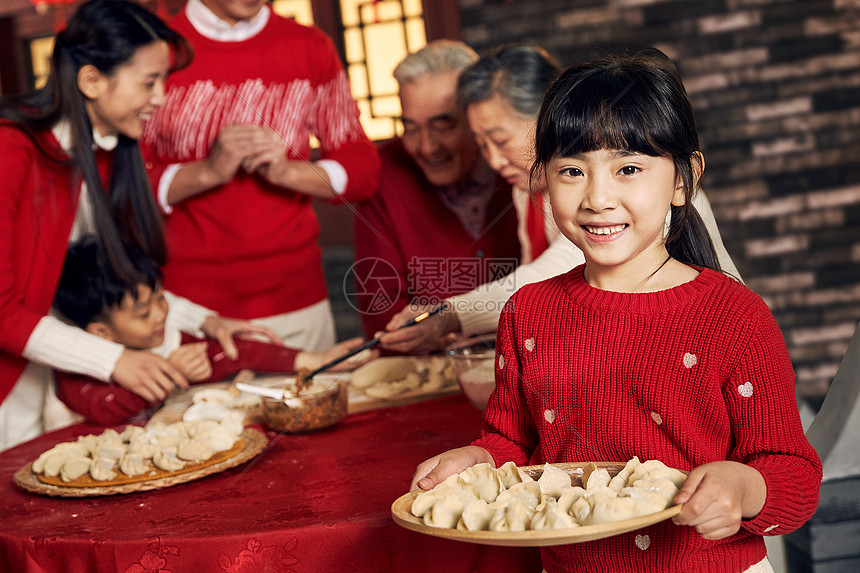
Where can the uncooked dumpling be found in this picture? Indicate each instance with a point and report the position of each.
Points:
(111, 450)
(218, 439)
(550, 516)
(529, 493)
(598, 478)
(664, 487)
(620, 479)
(167, 460)
(75, 467)
(485, 479)
(569, 497)
(515, 516)
(213, 395)
(191, 449)
(425, 500)
(131, 433)
(382, 370)
(510, 474)
(647, 501)
(677, 477)
(607, 509)
(476, 516)
(553, 481)
(52, 458)
(447, 510)
(102, 469)
(131, 464)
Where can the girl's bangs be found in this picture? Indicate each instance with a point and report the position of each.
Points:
(604, 113)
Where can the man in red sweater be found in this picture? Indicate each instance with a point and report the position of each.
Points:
(441, 222)
(229, 158)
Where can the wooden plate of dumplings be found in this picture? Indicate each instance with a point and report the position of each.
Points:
(250, 443)
(401, 512)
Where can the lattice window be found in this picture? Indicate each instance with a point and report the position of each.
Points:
(377, 35)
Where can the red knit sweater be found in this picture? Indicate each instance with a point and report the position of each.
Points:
(424, 249)
(247, 248)
(689, 375)
(38, 199)
(111, 404)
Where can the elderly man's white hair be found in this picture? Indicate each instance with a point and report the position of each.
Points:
(437, 56)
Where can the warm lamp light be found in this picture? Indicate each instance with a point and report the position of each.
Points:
(44, 6)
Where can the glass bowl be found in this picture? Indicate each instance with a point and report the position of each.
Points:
(473, 360)
(320, 406)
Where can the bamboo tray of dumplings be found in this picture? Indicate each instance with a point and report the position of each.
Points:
(402, 515)
(252, 442)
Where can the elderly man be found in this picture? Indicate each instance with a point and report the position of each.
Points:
(441, 222)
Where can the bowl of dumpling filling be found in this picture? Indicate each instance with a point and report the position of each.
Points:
(307, 406)
(473, 360)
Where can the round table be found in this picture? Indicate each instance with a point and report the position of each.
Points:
(309, 502)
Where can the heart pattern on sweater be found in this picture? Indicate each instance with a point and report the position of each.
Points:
(643, 542)
(746, 389)
(690, 360)
(549, 416)
(501, 362)
(530, 344)
(658, 419)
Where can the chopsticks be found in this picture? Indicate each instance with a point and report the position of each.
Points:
(373, 342)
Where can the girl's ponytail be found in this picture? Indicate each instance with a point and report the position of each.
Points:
(688, 239)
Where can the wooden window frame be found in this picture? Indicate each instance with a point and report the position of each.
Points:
(441, 20)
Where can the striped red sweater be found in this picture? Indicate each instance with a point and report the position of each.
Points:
(690, 375)
(247, 248)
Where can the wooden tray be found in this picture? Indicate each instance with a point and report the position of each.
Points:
(254, 442)
(400, 512)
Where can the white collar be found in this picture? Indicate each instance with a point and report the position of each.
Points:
(63, 132)
(214, 28)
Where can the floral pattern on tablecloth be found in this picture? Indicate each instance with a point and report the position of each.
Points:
(259, 557)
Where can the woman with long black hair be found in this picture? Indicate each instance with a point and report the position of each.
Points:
(71, 165)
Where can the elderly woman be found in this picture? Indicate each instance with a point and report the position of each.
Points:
(502, 94)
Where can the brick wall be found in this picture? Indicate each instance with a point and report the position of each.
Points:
(776, 88)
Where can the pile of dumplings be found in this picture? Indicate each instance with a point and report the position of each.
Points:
(137, 451)
(482, 498)
(392, 376)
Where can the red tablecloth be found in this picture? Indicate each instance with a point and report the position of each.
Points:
(312, 502)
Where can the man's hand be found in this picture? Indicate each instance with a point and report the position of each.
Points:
(429, 335)
(313, 360)
(233, 145)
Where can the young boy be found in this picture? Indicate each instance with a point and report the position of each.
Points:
(91, 296)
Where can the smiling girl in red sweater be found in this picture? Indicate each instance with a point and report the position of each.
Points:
(646, 349)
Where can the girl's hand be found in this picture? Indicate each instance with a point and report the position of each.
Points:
(427, 336)
(313, 360)
(432, 472)
(148, 375)
(223, 329)
(717, 496)
(192, 361)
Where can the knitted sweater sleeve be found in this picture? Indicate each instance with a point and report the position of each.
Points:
(508, 431)
(16, 320)
(335, 122)
(476, 315)
(760, 397)
(381, 263)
